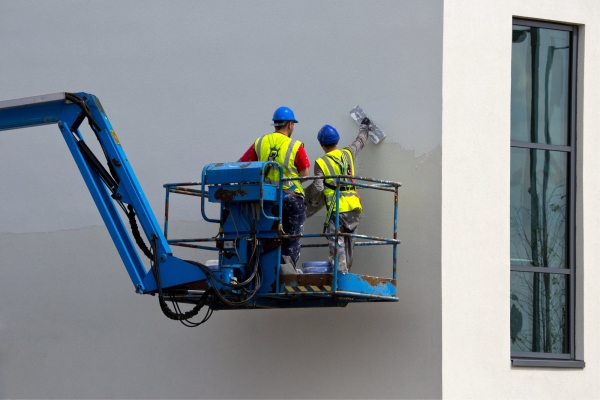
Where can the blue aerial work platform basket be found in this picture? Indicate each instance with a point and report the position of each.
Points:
(250, 224)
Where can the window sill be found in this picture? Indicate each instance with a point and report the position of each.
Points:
(530, 362)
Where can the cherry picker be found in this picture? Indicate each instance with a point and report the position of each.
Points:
(248, 273)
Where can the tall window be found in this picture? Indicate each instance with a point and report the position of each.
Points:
(542, 191)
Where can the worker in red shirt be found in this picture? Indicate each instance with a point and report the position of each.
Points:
(290, 154)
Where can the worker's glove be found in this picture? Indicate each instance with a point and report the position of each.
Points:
(365, 121)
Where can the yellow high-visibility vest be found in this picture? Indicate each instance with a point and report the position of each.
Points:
(339, 162)
(281, 149)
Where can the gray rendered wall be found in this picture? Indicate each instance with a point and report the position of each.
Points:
(186, 84)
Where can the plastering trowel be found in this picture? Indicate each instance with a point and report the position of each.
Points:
(375, 133)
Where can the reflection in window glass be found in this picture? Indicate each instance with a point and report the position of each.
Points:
(540, 85)
(538, 312)
(538, 208)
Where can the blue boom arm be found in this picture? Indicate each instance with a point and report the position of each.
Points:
(110, 187)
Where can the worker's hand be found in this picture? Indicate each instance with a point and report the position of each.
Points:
(365, 121)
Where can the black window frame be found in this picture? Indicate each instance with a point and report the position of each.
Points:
(537, 359)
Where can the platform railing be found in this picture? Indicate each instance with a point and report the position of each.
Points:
(376, 184)
(185, 188)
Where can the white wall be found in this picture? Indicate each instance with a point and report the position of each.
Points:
(475, 209)
(185, 84)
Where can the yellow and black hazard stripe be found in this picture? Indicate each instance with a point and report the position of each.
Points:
(307, 289)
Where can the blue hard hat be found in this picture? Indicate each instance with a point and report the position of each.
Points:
(284, 114)
(328, 135)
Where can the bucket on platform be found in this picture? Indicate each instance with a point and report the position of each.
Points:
(317, 267)
(212, 264)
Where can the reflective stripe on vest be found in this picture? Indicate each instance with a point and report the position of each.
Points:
(349, 199)
(281, 149)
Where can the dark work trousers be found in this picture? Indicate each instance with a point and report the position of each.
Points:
(294, 215)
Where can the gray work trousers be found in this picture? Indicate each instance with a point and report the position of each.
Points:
(348, 224)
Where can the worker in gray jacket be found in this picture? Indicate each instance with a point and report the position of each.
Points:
(338, 162)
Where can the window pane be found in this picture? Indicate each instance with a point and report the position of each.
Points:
(538, 312)
(540, 85)
(538, 208)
